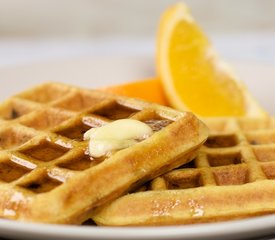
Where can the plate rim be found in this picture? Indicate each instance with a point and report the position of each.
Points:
(242, 228)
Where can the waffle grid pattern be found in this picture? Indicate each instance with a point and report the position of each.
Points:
(238, 151)
(43, 130)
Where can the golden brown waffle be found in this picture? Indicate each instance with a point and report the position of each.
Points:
(46, 173)
(232, 177)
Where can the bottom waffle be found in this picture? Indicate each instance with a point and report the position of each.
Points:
(232, 177)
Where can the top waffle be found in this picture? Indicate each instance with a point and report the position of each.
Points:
(232, 177)
(46, 173)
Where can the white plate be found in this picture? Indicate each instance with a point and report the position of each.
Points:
(102, 71)
(250, 228)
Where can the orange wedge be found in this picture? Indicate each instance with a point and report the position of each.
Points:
(193, 75)
(150, 90)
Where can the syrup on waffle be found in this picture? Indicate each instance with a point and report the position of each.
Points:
(232, 177)
(46, 173)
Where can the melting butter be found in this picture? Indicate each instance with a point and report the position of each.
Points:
(116, 135)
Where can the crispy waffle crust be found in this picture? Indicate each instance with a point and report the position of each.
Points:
(232, 177)
(46, 173)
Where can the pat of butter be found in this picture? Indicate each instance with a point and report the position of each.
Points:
(116, 135)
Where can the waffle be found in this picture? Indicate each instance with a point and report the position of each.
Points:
(46, 173)
(232, 177)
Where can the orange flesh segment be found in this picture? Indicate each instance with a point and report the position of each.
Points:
(149, 90)
(198, 79)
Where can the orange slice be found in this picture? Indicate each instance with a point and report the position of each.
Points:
(150, 90)
(193, 75)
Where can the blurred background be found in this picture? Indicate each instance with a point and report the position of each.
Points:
(110, 41)
(137, 18)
